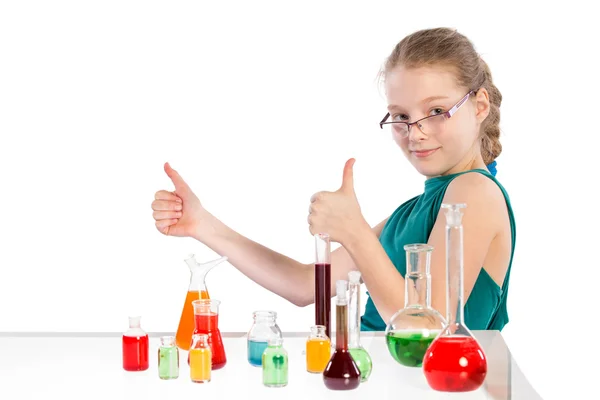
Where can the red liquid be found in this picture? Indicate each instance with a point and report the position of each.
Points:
(455, 364)
(323, 296)
(135, 353)
(341, 373)
(209, 324)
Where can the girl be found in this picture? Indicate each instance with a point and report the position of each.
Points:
(443, 112)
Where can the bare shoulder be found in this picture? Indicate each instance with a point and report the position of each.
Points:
(482, 195)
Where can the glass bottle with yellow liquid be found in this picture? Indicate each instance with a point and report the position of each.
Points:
(196, 290)
(200, 359)
(318, 350)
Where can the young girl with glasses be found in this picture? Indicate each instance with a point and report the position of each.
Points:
(443, 112)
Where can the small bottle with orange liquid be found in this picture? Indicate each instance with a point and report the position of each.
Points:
(200, 359)
(318, 350)
(196, 290)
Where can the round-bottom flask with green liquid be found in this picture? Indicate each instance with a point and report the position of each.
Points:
(411, 330)
(363, 362)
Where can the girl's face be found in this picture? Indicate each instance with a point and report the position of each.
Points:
(447, 145)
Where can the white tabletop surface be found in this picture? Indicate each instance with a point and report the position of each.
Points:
(89, 366)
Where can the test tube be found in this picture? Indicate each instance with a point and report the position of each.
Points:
(323, 281)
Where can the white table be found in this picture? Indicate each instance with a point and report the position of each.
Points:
(89, 365)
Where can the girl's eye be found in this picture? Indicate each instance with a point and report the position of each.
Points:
(437, 111)
(399, 117)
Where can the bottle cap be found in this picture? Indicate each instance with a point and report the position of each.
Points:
(354, 277)
(341, 288)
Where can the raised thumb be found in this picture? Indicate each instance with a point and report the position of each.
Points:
(348, 177)
(177, 180)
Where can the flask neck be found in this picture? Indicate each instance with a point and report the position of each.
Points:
(354, 316)
(417, 290)
(454, 275)
(341, 326)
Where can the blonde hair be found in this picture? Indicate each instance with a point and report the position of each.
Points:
(447, 47)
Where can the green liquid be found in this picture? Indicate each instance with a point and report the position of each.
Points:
(275, 367)
(168, 362)
(409, 348)
(363, 362)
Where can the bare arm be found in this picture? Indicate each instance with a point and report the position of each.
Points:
(485, 207)
(276, 272)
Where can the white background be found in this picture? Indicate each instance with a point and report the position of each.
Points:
(258, 105)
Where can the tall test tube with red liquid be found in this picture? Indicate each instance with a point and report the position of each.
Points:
(455, 362)
(323, 282)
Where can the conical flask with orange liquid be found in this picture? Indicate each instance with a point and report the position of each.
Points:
(196, 290)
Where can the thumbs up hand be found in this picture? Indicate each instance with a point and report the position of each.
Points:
(177, 213)
(337, 213)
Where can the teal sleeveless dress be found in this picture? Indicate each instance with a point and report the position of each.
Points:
(413, 222)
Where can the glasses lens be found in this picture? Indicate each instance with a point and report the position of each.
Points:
(433, 125)
(399, 128)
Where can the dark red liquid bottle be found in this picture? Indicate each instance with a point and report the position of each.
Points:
(135, 347)
(454, 362)
(206, 317)
(323, 282)
(341, 373)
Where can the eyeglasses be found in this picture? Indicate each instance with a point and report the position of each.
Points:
(431, 124)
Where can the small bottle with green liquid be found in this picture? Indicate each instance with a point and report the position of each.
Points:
(411, 330)
(359, 354)
(275, 363)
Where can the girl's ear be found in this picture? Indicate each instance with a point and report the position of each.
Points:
(482, 105)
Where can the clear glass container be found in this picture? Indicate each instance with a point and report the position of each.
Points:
(359, 354)
(168, 358)
(318, 350)
(341, 373)
(196, 290)
(275, 364)
(455, 361)
(412, 329)
(263, 328)
(200, 357)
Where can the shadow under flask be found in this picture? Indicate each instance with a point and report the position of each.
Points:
(412, 329)
(341, 373)
(455, 362)
(196, 290)
(263, 328)
(359, 354)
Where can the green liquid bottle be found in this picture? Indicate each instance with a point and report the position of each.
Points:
(168, 358)
(412, 329)
(359, 354)
(275, 364)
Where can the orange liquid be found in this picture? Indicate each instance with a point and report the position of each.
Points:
(318, 353)
(183, 338)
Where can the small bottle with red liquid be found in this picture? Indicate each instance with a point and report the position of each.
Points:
(454, 362)
(323, 282)
(135, 347)
(206, 317)
(341, 373)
